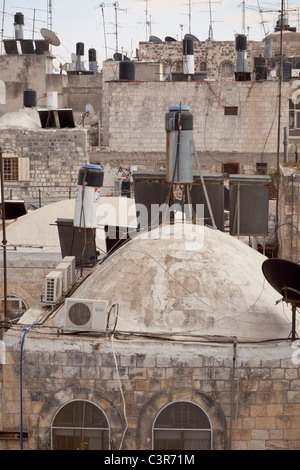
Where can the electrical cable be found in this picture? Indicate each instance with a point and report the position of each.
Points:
(21, 378)
(121, 392)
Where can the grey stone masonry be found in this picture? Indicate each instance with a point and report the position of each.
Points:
(55, 157)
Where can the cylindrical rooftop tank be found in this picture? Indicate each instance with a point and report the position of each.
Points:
(268, 48)
(29, 98)
(52, 100)
(93, 60)
(180, 151)
(90, 180)
(241, 53)
(19, 23)
(241, 42)
(127, 70)
(80, 48)
(188, 57)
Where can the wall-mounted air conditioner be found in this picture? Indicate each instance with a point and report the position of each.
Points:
(53, 287)
(66, 270)
(86, 314)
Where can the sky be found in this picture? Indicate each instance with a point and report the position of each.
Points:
(123, 27)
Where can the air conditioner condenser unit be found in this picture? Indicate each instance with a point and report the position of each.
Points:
(86, 314)
(53, 287)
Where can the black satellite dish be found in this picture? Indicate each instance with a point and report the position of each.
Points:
(155, 39)
(284, 277)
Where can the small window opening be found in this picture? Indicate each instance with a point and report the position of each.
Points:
(231, 110)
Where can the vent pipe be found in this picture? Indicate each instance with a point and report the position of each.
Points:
(18, 24)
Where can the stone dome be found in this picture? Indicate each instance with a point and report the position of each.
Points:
(189, 280)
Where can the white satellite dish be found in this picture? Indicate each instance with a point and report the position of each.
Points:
(50, 37)
(90, 110)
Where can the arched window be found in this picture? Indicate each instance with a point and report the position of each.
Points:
(182, 426)
(15, 307)
(226, 69)
(80, 425)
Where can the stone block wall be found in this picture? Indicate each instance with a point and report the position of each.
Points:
(134, 115)
(261, 413)
(55, 157)
(212, 53)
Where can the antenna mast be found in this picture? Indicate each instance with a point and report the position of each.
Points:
(49, 15)
(2, 28)
(244, 18)
(102, 5)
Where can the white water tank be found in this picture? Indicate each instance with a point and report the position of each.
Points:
(52, 100)
(90, 180)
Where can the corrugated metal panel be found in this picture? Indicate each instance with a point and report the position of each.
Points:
(249, 204)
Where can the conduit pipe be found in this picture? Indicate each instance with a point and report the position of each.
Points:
(232, 393)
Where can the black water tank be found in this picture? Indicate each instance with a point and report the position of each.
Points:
(261, 72)
(241, 42)
(91, 175)
(178, 115)
(188, 47)
(80, 48)
(92, 55)
(29, 99)
(127, 70)
(19, 18)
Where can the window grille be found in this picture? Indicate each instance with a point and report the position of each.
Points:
(182, 426)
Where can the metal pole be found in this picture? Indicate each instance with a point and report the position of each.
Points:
(4, 240)
(285, 143)
(279, 117)
(204, 188)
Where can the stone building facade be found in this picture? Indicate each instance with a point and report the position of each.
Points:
(260, 406)
(215, 342)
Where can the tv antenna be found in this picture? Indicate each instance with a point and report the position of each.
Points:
(211, 21)
(116, 7)
(102, 6)
(148, 20)
(284, 277)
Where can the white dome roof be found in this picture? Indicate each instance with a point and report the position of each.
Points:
(198, 280)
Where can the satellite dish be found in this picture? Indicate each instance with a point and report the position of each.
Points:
(90, 110)
(154, 39)
(284, 277)
(50, 37)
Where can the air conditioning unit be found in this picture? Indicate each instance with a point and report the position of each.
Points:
(72, 260)
(86, 314)
(66, 270)
(53, 287)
